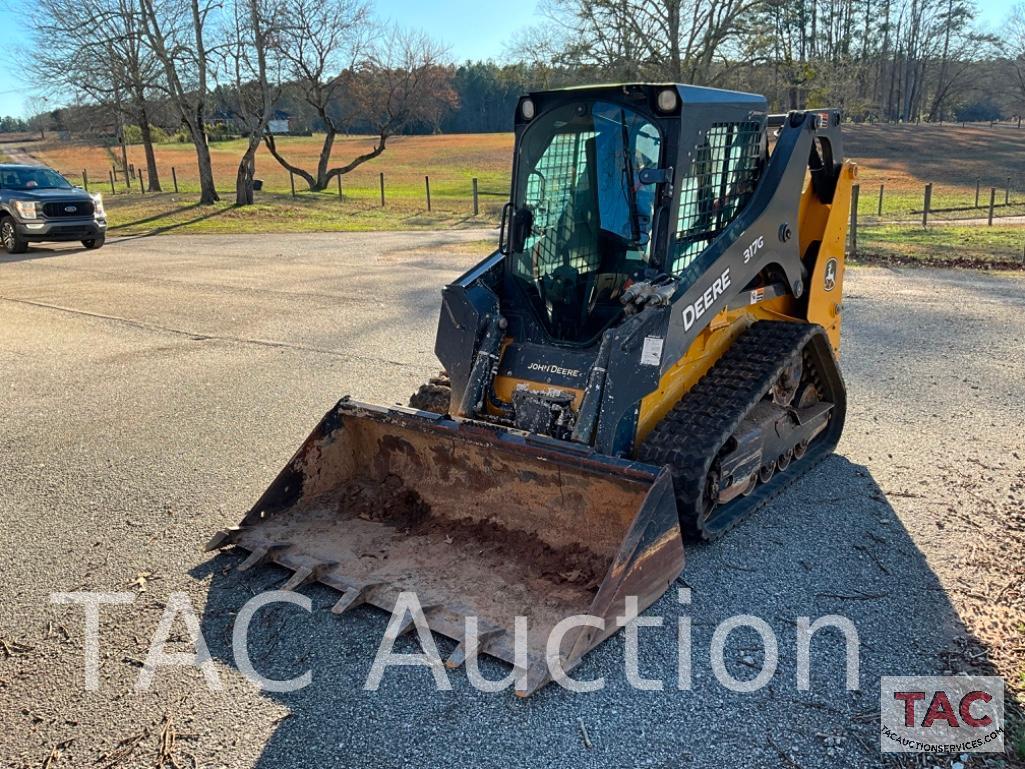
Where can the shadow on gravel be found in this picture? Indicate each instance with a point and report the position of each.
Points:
(832, 544)
(164, 229)
(39, 252)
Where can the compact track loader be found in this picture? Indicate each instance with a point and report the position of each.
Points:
(649, 355)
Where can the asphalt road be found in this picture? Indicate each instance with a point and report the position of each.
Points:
(150, 391)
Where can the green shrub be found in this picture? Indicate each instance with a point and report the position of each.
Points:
(133, 135)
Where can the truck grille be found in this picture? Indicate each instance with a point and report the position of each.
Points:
(68, 209)
(73, 231)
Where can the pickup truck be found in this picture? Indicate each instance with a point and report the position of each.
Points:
(38, 204)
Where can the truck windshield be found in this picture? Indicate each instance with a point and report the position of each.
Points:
(579, 176)
(32, 179)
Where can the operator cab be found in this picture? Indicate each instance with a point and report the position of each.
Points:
(617, 184)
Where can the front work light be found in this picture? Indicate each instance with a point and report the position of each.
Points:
(667, 100)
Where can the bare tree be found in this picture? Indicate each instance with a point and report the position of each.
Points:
(111, 63)
(322, 45)
(1015, 44)
(405, 84)
(653, 39)
(349, 76)
(178, 32)
(251, 56)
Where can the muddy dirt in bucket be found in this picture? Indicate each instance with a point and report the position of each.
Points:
(387, 501)
(392, 503)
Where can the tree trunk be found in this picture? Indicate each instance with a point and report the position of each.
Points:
(152, 176)
(325, 159)
(937, 103)
(207, 191)
(673, 12)
(246, 171)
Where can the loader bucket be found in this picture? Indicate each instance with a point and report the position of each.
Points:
(473, 519)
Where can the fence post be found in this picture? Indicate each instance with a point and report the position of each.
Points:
(142, 187)
(928, 202)
(1007, 192)
(880, 199)
(174, 178)
(339, 178)
(992, 202)
(476, 199)
(291, 182)
(112, 190)
(978, 188)
(382, 189)
(85, 179)
(427, 186)
(855, 194)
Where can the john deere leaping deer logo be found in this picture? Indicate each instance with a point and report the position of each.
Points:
(829, 281)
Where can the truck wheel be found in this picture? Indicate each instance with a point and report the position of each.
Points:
(94, 242)
(13, 242)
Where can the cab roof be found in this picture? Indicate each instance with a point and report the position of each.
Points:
(689, 94)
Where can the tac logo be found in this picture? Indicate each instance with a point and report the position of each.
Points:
(939, 714)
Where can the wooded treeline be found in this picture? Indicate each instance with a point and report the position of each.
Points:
(146, 68)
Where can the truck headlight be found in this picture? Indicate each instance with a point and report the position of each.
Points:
(98, 205)
(26, 209)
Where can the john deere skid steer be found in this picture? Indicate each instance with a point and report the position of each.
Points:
(649, 355)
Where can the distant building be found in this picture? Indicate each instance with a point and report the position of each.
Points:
(280, 123)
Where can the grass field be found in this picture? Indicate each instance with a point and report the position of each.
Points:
(903, 159)
(452, 161)
(967, 245)
(280, 212)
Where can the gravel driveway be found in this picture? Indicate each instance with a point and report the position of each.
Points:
(149, 392)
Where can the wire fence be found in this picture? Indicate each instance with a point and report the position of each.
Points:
(951, 226)
(990, 200)
(984, 221)
(936, 203)
(473, 195)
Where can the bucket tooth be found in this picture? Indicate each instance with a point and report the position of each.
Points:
(261, 555)
(458, 655)
(223, 538)
(409, 620)
(352, 598)
(301, 576)
(536, 676)
(304, 575)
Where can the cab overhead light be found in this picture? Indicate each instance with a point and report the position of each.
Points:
(667, 100)
(527, 109)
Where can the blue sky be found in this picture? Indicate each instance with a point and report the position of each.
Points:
(472, 30)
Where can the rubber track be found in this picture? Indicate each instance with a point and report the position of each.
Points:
(694, 432)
